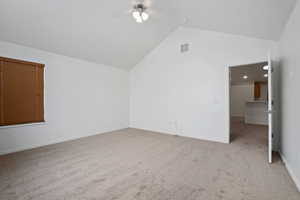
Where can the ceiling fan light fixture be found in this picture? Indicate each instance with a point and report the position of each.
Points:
(135, 14)
(145, 16)
(139, 13)
(139, 19)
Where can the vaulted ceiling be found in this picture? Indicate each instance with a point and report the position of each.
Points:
(103, 31)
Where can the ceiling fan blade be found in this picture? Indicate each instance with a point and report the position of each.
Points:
(146, 3)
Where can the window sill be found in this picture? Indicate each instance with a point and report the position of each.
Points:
(22, 125)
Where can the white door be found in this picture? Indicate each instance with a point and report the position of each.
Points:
(270, 109)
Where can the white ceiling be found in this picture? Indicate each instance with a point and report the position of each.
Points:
(103, 31)
(254, 72)
(255, 18)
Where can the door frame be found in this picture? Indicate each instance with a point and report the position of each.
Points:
(228, 93)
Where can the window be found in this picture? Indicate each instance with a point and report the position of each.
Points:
(21, 92)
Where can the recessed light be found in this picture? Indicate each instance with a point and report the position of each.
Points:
(266, 75)
(266, 67)
(245, 77)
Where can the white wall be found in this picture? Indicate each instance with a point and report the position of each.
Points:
(256, 113)
(81, 99)
(290, 92)
(239, 95)
(188, 94)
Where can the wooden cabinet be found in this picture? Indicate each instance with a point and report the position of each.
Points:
(257, 90)
(261, 90)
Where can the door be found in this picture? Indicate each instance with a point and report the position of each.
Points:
(270, 108)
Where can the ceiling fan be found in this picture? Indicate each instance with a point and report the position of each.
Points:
(139, 13)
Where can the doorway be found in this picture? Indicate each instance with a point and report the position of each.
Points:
(249, 105)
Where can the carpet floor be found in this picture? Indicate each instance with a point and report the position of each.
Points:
(134, 164)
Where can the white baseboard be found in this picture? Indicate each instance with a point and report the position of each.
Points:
(180, 134)
(34, 146)
(290, 171)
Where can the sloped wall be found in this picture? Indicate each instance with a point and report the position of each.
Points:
(187, 93)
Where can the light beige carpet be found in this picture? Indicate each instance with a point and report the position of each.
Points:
(134, 164)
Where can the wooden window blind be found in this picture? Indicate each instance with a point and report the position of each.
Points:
(21, 92)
